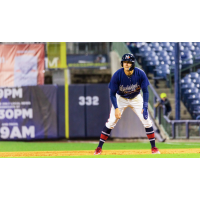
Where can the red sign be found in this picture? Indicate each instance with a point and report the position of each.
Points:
(21, 65)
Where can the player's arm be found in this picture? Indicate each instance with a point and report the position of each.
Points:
(114, 103)
(144, 86)
(157, 104)
(114, 86)
(145, 102)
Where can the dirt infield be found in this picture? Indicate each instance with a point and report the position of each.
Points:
(86, 153)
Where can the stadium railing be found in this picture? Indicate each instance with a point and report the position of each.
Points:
(180, 129)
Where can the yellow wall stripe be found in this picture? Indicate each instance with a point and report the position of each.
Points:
(63, 55)
(66, 105)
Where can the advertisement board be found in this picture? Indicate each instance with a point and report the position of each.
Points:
(21, 64)
(28, 112)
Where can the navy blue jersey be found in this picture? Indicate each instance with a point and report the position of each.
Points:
(128, 87)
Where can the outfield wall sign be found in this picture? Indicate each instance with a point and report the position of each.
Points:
(21, 65)
(28, 113)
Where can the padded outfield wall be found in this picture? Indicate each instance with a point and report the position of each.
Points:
(40, 112)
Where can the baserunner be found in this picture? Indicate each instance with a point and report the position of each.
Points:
(125, 86)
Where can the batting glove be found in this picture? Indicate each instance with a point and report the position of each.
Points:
(145, 113)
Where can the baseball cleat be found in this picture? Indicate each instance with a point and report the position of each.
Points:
(154, 150)
(98, 151)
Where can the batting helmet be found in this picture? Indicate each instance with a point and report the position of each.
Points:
(128, 57)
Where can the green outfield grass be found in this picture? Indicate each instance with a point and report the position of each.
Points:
(75, 146)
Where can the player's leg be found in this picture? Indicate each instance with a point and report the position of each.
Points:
(158, 136)
(137, 106)
(111, 123)
(168, 114)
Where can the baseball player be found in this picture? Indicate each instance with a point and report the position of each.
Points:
(125, 88)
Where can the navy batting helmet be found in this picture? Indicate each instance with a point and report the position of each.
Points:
(128, 57)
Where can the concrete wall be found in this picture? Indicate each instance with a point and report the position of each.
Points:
(58, 76)
(115, 62)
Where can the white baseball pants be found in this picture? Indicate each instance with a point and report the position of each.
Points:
(136, 104)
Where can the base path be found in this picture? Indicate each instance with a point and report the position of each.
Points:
(89, 153)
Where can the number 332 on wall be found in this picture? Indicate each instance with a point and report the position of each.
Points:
(89, 101)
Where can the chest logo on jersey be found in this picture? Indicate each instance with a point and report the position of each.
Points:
(129, 89)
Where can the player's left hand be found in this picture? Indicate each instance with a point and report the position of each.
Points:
(145, 113)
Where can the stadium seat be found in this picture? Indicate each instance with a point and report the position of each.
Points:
(163, 66)
(191, 98)
(162, 53)
(186, 44)
(197, 55)
(183, 43)
(188, 92)
(154, 44)
(172, 58)
(198, 71)
(186, 87)
(193, 75)
(171, 53)
(173, 63)
(190, 48)
(181, 48)
(168, 48)
(151, 58)
(161, 74)
(186, 77)
(167, 62)
(162, 71)
(197, 85)
(152, 63)
(194, 96)
(186, 63)
(186, 55)
(144, 49)
(165, 44)
(172, 43)
(140, 44)
(193, 104)
(196, 111)
(186, 81)
(163, 57)
(196, 80)
(157, 48)
(159, 54)
(150, 53)
(196, 44)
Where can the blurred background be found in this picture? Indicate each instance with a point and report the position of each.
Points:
(59, 90)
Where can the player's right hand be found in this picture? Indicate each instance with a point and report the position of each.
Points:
(117, 113)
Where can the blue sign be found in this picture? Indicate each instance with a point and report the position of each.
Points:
(28, 113)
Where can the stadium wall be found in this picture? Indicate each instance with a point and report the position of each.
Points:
(39, 112)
